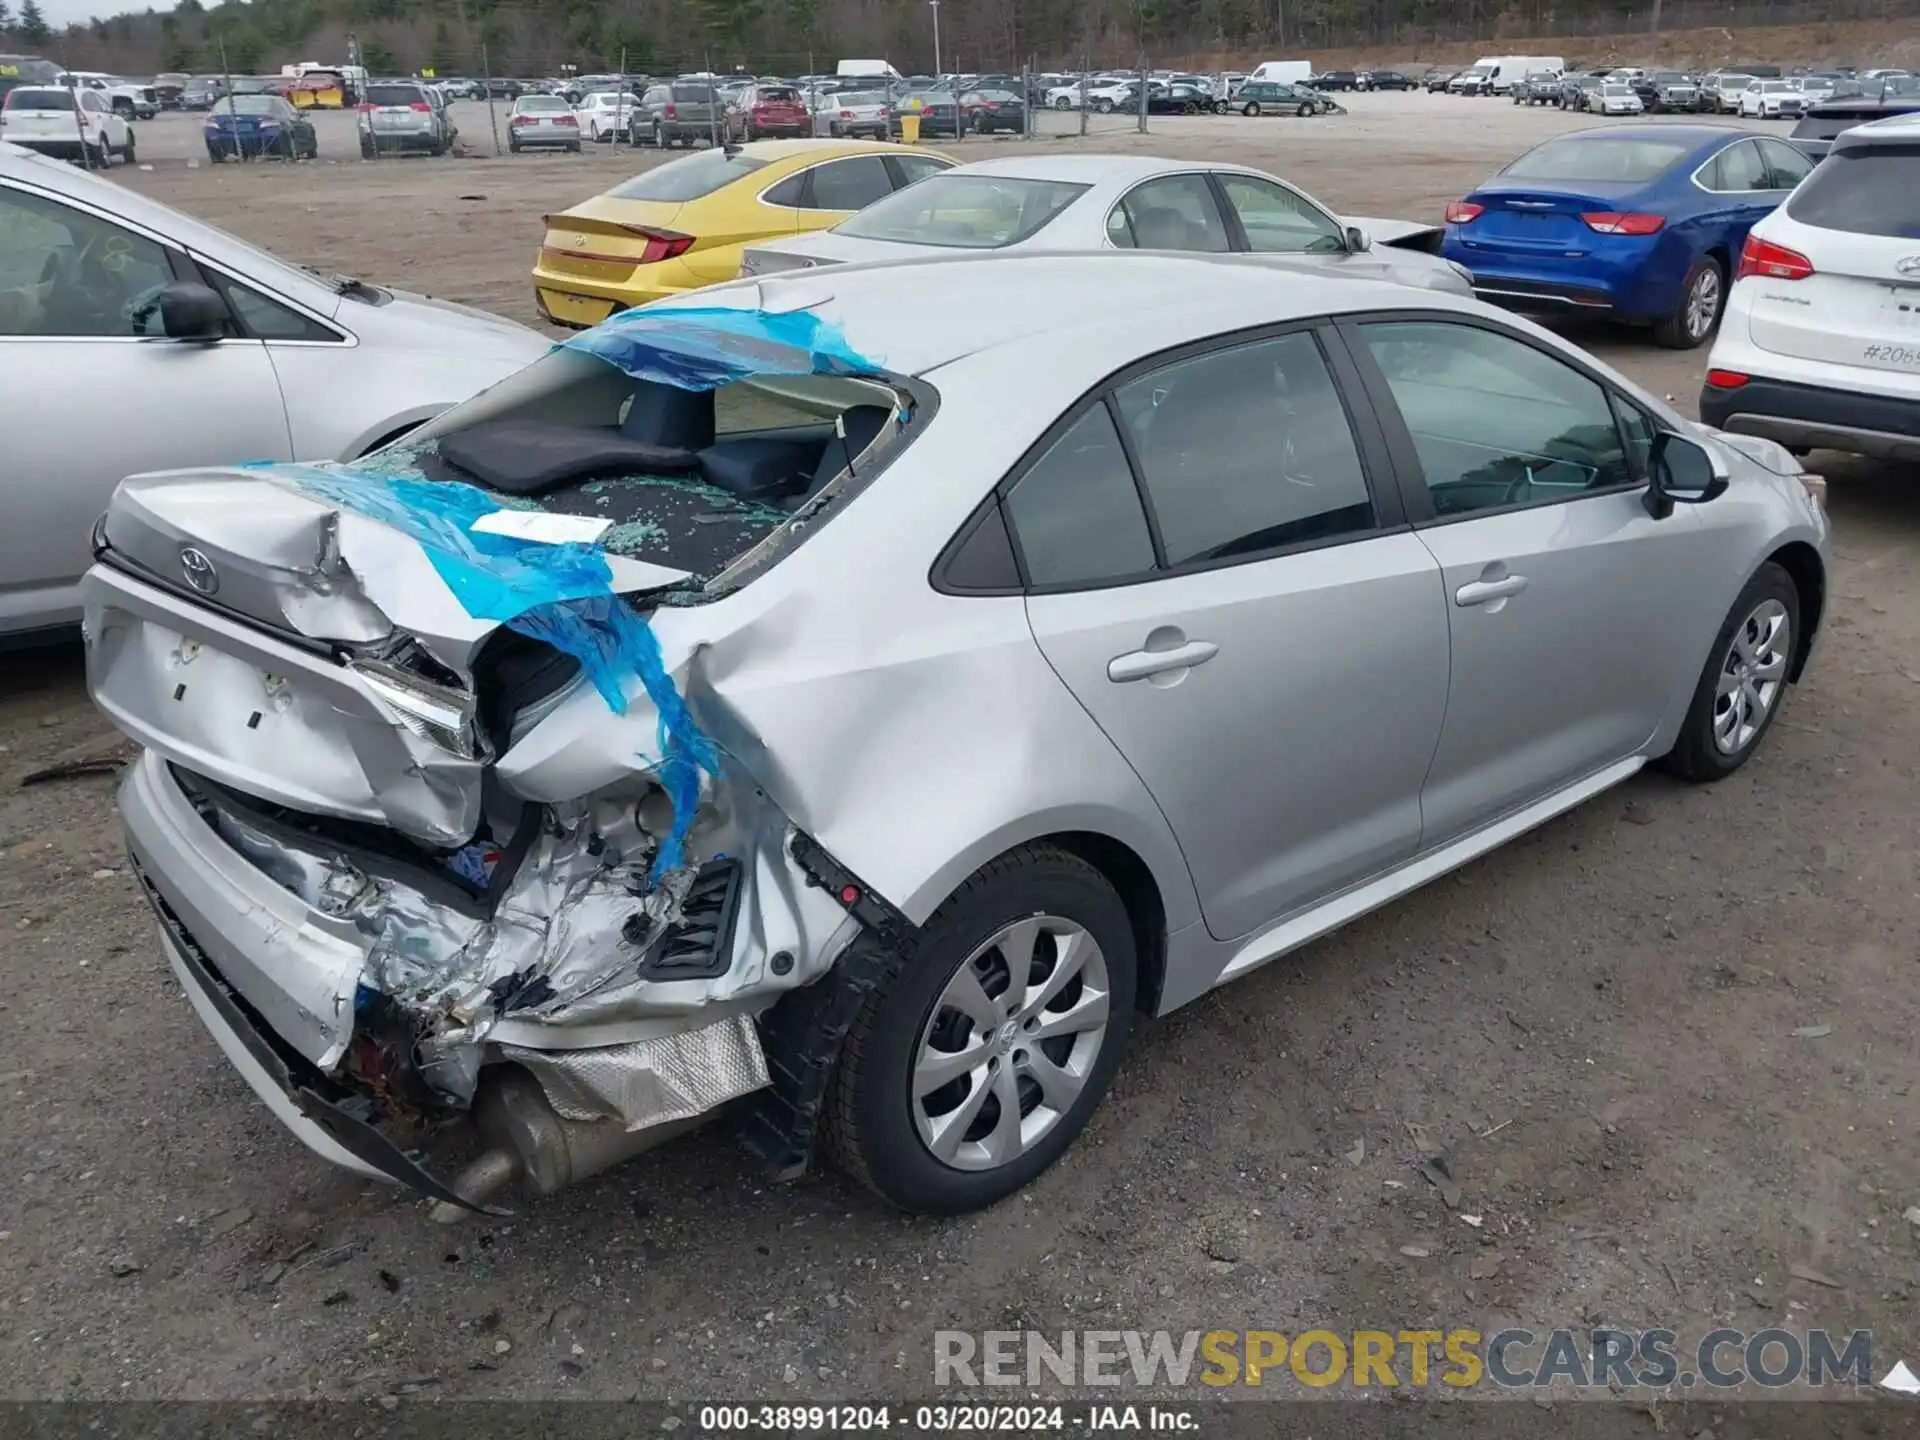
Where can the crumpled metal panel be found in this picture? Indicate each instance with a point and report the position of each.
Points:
(650, 1082)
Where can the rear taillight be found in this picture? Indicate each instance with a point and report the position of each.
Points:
(1464, 212)
(671, 112)
(520, 120)
(661, 244)
(420, 105)
(846, 114)
(1614, 222)
(365, 108)
(566, 120)
(1768, 261)
(1726, 379)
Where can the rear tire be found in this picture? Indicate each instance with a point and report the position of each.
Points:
(1063, 103)
(127, 150)
(659, 136)
(1252, 107)
(1750, 659)
(1702, 300)
(574, 148)
(883, 1135)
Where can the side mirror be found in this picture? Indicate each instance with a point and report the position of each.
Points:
(1681, 472)
(1357, 241)
(191, 311)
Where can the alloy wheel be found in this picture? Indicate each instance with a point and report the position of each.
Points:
(1703, 303)
(1011, 1043)
(1751, 674)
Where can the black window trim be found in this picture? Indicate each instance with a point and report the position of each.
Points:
(1372, 448)
(1407, 469)
(806, 190)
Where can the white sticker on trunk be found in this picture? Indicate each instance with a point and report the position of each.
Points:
(543, 527)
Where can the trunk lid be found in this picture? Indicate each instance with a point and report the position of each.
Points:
(1540, 221)
(604, 239)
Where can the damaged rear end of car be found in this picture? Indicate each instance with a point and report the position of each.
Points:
(455, 846)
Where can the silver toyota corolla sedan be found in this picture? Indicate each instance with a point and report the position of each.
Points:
(1119, 202)
(135, 338)
(848, 699)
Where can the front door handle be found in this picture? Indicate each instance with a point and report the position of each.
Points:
(1139, 664)
(1480, 592)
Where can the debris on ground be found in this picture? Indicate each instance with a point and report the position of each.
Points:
(1416, 1252)
(1440, 1174)
(1358, 1152)
(77, 769)
(224, 1222)
(1814, 1277)
(1814, 1032)
(123, 1266)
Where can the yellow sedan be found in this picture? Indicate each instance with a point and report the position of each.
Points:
(683, 224)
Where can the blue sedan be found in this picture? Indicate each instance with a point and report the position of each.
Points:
(1643, 223)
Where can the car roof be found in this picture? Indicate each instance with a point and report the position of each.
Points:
(1692, 135)
(1902, 128)
(1083, 169)
(912, 316)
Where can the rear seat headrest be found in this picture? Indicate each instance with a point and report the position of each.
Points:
(663, 415)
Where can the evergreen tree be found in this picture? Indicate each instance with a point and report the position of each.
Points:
(33, 25)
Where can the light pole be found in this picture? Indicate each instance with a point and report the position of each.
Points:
(934, 5)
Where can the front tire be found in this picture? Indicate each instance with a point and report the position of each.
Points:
(1702, 299)
(975, 1067)
(1744, 682)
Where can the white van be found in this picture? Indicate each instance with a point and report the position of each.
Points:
(867, 70)
(1283, 72)
(1473, 80)
(1510, 70)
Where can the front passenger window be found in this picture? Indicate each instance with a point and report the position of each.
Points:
(1496, 422)
(65, 272)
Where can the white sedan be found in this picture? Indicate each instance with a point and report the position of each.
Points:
(1117, 202)
(1617, 100)
(606, 114)
(1101, 93)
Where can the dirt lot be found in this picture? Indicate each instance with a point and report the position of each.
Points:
(1669, 1040)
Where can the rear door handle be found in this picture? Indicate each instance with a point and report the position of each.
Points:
(1480, 592)
(1139, 664)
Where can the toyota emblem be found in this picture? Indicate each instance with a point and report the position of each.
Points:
(1908, 264)
(199, 570)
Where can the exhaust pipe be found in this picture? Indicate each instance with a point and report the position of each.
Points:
(529, 1144)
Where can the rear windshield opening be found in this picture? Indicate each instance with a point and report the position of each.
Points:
(967, 212)
(694, 480)
(1576, 158)
(784, 94)
(1863, 192)
(689, 177)
(693, 94)
(394, 95)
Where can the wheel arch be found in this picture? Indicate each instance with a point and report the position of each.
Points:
(1133, 881)
(1803, 566)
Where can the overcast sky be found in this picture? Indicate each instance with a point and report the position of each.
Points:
(62, 13)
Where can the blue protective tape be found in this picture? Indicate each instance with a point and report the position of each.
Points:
(705, 347)
(562, 594)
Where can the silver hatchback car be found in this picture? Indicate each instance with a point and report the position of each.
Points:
(849, 699)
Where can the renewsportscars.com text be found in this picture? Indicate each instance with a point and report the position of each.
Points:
(1512, 1359)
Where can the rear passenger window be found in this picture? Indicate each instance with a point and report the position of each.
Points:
(1177, 213)
(1786, 166)
(790, 192)
(1246, 450)
(851, 184)
(1736, 169)
(1077, 514)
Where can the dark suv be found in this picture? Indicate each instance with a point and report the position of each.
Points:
(1386, 80)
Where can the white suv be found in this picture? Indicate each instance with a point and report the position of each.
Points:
(1820, 345)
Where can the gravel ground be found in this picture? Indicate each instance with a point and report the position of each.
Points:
(1668, 1039)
